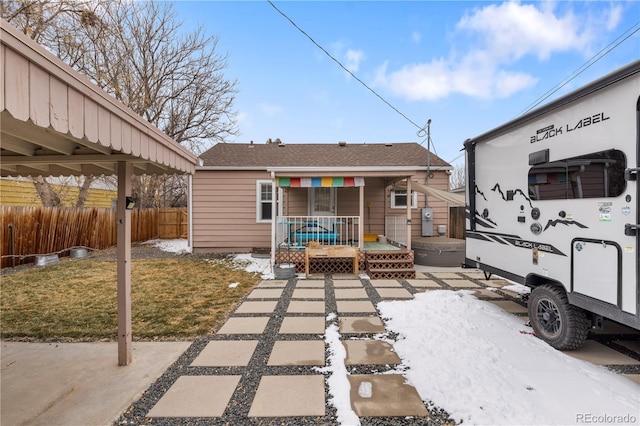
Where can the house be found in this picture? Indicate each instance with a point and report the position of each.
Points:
(335, 194)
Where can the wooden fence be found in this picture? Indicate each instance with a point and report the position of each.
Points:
(172, 223)
(457, 222)
(30, 231)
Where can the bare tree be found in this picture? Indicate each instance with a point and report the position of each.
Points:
(138, 53)
(458, 177)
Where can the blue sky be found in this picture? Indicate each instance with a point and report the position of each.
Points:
(467, 66)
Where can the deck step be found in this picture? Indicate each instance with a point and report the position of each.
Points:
(378, 274)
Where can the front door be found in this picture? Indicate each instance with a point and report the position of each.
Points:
(322, 201)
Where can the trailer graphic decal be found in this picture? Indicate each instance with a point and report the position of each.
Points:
(564, 222)
(515, 241)
(480, 220)
(480, 192)
(496, 187)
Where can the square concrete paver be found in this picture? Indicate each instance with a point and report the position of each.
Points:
(347, 283)
(510, 306)
(226, 353)
(346, 306)
(288, 396)
(446, 275)
(308, 293)
(496, 283)
(385, 283)
(273, 283)
(384, 395)
(303, 325)
(265, 293)
(633, 377)
(310, 284)
(426, 289)
(424, 284)
(305, 307)
(255, 307)
(297, 352)
(394, 293)
(510, 293)
(597, 353)
(369, 352)
(343, 276)
(460, 283)
(351, 293)
(255, 325)
(364, 325)
(196, 396)
(486, 293)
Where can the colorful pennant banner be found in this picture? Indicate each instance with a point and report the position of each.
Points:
(320, 182)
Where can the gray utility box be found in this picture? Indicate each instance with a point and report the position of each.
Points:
(427, 222)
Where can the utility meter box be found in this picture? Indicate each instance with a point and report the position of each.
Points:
(427, 222)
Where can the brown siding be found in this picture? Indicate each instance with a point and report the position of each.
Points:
(224, 212)
(224, 208)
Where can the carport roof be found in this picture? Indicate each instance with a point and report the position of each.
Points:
(54, 121)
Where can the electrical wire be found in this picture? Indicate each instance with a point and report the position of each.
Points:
(595, 58)
(420, 129)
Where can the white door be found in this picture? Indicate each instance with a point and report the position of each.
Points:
(322, 201)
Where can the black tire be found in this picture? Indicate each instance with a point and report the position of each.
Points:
(554, 320)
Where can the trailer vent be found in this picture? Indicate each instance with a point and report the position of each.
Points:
(539, 157)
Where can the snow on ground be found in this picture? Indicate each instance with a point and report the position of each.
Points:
(172, 246)
(470, 358)
(517, 288)
(243, 261)
(478, 363)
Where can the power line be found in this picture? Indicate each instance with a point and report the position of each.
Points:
(595, 58)
(420, 128)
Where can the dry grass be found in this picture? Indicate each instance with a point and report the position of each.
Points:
(76, 300)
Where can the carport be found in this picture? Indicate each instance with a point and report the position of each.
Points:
(55, 122)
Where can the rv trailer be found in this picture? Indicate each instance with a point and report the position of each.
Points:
(553, 203)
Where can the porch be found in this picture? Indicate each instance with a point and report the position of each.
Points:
(380, 257)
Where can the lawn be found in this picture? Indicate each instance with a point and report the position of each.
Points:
(171, 299)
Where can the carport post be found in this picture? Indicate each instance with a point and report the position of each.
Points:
(125, 356)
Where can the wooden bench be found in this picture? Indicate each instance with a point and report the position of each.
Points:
(331, 252)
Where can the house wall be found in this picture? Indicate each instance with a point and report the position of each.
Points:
(224, 208)
(439, 180)
(224, 212)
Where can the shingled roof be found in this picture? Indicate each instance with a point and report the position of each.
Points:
(243, 155)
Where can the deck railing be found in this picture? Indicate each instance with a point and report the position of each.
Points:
(298, 231)
(396, 229)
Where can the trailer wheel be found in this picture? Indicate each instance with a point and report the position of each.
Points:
(554, 320)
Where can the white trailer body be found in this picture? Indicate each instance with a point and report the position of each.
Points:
(553, 203)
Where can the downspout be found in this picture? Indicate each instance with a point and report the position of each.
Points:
(274, 210)
(409, 203)
(190, 213)
(361, 219)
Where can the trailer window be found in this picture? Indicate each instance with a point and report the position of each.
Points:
(597, 175)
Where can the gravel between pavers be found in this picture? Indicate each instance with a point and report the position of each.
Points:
(240, 403)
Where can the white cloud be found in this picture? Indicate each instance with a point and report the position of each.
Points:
(512, 30)
(353, 59)
(496, 37)
(416, 37)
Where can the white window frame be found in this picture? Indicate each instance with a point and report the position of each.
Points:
(259, 184)
(414, 199)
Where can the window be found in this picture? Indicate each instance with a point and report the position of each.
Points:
(597, 175)
(264, 200)
(399, 199)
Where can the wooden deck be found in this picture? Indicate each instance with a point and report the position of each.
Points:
(378, 261)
